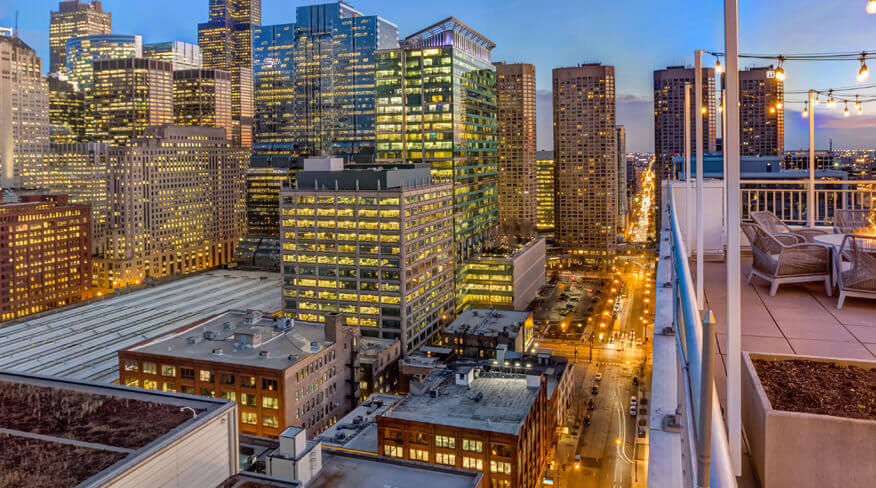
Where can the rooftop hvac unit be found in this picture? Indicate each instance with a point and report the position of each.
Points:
(227, 325)
(209, 335)
(217, 351)
(264, 354)
(192, 340)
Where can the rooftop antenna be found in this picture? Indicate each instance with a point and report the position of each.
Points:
(16, 23)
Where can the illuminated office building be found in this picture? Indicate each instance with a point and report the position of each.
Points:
(761, 116)
(506, 278)
(622, 204)
(515, 89)
(74, 18)
(371, 244)
(67, 107)
(130, 95)
(226, 43)
(24, 112)
(79, 170)
(177, 204)
(436, 104)
(545, 193)
(202, 97)
(315, 82)
(585, 161)
(44, 252)
(183, 55)
(82, 52)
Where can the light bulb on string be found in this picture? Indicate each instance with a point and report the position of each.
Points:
(805, 110)
(815, 101)
(871, 7)
(863, 73)
(846, 110)
(718, 68)
(780, 72)
(858, 106)
(831, 103)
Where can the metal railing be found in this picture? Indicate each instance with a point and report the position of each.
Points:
(789, 199)
(697, 393)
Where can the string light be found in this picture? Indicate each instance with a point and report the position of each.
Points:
(846, 110)
(863, 73)
(871, 7)
(719, 69)
(858, 105)
(780, 72)
(816, 101)
(805, 110)
(831, 103)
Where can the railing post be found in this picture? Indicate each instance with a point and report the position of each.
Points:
(688, 213)
(810, 189)
(704, 416)
(698, 90)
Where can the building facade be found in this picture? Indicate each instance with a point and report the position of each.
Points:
(24, 113)
(176, 205)
(183, 55)
(202, 97)
(74, 18)
(129, 96)
(477, 333)
(226, 43)
(585, 160)
(45, 260)
(374, 245)
(84, 51)
(274, 129)
(800, 160)
(544, 174)
(761, 113)
(622, 196)
(515, 91)
(436, 104)
(67, 108)
(507, 278)
(378, 359)
(281, 374)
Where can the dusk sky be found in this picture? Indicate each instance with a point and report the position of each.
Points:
(635, 36)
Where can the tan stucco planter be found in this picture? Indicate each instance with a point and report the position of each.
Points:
(803, 450)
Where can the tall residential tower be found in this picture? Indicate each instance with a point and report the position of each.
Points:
(761, 116)
(74, 18)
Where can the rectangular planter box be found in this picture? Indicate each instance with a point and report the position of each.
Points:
(803, 450)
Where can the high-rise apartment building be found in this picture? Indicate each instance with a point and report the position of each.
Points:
(202, 97)
(83, 52)
(315, 82)
(74, 18)
(761, 116)
(669, 86)
(544, 171)
(226, 44)
(585, 159)
(44, 252)
(183, 55)
(515, 90)
(176, 204)
(67, 108)
(436, 104)
(373, 244)
(130, 95)
(24, 112)
(622, 204)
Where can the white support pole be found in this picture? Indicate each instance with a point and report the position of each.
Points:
(688, 211)
(724, 161)
(810, 188)
(698, 96)
(734, 303)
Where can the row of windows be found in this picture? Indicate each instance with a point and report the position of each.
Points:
(204, 375)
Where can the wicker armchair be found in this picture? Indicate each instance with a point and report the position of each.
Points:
(851, 220)
(774, 225)
(786, 258)
(856, 268)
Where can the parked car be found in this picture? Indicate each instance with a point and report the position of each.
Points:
(636, 378)
(598, 377)
(587, 420)
(595, 390)
(633, 411)
(634, 401)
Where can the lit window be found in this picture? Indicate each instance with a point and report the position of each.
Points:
(250, 418)
(206, 376)
(132, 382)
(473, 463)
(269, 384)
(270, 402)
(419, 455)
(150, 368)
(150, 384)
(442, 458)
(393, 451)
(248, 381)
(229, 395)
(248, 399)
(132, 366)
(444, 441)
(168, 370)
(500, 467)
(168, 387)
(269, 421)
(472, 446)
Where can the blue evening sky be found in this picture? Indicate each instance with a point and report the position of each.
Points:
(636, 36)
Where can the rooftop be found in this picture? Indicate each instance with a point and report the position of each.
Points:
(504, 402)
(241, 338)
(81, 342)
(358, 429)
(372, 346)
(85, 434)
(491, 323)
(343, 469)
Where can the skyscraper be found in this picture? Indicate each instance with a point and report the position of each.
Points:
(545, 193)
(130, 95)
(585, 158)
(669, 116)
(622, 207)
(226, 44)
(74, 18)
(515, 90)
(24, 112)
(83, 51)
(182, 54)
(436, 104)
(761, 117)
(202, 97)
(315, 82)
(177, 205)
(66, 110)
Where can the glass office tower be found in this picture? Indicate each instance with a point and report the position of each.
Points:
(83, 51)
(436, 104)
(314, 82)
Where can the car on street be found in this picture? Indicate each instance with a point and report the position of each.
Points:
(598, 377)
(633, 411)
(587, 420)
(634, 401)
(595, 390)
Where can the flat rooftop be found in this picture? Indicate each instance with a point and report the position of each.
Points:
(504, 405)
(342, 469)
(81, 342)
(487, 322)
(358, 429)
(372, 346)
(221, 339)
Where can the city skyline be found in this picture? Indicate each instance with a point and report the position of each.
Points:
(616, 35)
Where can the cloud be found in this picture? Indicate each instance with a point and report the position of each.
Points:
(853, 122)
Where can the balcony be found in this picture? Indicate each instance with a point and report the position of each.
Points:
(800, 320)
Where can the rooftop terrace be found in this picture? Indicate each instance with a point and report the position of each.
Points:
(485, 322)
(81, 342)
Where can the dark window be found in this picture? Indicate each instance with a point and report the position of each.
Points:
(187, 373)
(226, 379)
(269, 384)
